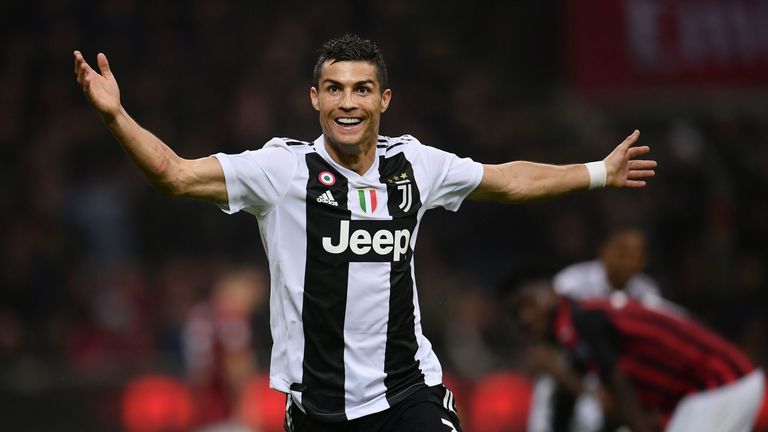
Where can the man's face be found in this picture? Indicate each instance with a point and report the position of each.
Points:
(624, 255)
(350, 101)
(533, 307)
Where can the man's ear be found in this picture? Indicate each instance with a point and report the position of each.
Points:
(386, 97)
(313, 98)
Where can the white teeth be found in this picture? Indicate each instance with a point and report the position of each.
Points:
(348, 121)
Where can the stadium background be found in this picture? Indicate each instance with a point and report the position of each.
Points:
(99, 271)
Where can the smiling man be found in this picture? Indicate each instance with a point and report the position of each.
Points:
(350, 95)
(339, 218)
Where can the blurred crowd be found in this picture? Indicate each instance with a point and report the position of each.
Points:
(101, 277)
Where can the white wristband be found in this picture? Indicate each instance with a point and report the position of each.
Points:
(598, 174)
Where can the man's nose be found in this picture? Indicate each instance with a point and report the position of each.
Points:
(347, 101)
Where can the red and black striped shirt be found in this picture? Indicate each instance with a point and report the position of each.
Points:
(665, 355)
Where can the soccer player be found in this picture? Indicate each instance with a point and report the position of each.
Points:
(619, 266)
(655, 364)
(338, 218)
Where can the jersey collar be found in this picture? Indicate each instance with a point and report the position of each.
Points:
(319, 144)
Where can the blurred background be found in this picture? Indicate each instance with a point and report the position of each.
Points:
(121, 309)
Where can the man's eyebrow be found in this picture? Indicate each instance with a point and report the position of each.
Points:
(358, 83)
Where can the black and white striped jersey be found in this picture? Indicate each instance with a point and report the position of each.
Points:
(344, 310)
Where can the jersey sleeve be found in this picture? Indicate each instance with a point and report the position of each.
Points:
(580, 280)
(454, 178)
(643, 287)
(567, 281)
(257, 179)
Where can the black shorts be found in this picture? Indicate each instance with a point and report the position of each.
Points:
(431, 409)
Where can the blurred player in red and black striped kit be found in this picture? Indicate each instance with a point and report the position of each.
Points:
(657, 367)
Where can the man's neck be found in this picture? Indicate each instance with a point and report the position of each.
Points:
(357, 158)
(617, 283)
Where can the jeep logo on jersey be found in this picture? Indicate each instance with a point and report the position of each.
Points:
(365, 244)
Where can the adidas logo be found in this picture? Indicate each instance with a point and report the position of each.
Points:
(327, 198)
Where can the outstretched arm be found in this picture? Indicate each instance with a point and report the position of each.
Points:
(521, 181)
(197, 178)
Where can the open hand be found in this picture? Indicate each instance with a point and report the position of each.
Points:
(100, 88)
(624, 169)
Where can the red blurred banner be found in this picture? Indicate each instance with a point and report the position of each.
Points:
(639, 44)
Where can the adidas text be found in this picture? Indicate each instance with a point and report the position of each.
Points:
(327, 198)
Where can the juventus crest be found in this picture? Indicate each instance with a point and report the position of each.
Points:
(404, 185)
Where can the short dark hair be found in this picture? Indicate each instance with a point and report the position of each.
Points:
(352, 48)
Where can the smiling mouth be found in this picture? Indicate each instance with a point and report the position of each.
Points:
(348, 121)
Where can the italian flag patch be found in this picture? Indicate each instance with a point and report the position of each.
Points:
(367, 200)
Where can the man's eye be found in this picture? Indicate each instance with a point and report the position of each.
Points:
(363, 90)
(333, 89)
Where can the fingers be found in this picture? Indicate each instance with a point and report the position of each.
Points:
(82, 75)
(81, 68)
(641, 164)
(80, 62)
(634, 152)
(640, 174)
(631, 139)
(101, 59)
(636, 170)
(78, 57)
(635, 184)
